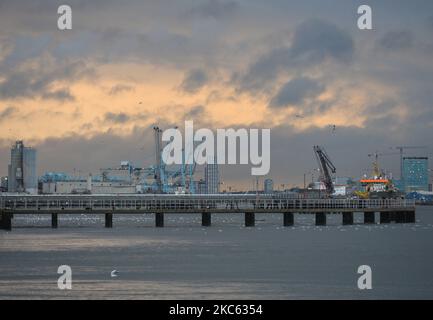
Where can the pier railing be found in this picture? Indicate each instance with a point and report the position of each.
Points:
(192, 203)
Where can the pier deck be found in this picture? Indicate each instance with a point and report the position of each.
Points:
(399, 210)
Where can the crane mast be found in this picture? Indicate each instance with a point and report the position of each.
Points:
(158, 161)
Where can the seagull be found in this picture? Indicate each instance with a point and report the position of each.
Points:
(114, 273)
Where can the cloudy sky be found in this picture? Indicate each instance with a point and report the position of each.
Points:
(87, 98)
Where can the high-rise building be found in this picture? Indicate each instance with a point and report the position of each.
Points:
(22, 175)
(268, 186)
(415, 174)
(211, 177)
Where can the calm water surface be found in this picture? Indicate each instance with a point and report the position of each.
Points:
(226, 261)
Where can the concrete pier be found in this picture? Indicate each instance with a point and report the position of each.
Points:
(385, 217)
(54, 220)
(206, 219)
(347, 218)
(108, 220)
(159, 220)
(6, 221)
(250, 219)
(320, 219)
(288, 219)
(369, 217)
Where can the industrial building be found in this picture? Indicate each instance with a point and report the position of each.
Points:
(268, 186)
(4, 184)
(415, 174)
(119, 180)
(22, 175)
(122, 173)
(88, 186)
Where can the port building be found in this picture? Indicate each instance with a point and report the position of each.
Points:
(22, 176)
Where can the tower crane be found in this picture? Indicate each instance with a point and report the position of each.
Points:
(164, 177)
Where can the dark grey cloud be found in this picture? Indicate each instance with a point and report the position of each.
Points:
(194, 80)
(383, 115)
(36, 81)
(95, 37)
(314, 41)
(120, 117)
(195, 112)
(119, 88)
(168, 47)
(34, 16)
(397, 40)
(216, 9)
(295, 92)
(21, 48)
(263, 71)
(7, 113)
(59, 95)
(21, 84)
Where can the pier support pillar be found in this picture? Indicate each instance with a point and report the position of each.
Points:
(347, 218)
(249, 219)
(6, 221)
(369, 217)
(400, 217)
(288, 219)
(54, 220)
(206, 219)
(159, 220)
(108, 220)
(385, 217)
(410, 216)
(320, 218)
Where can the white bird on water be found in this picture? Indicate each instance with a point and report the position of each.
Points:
(114, 273)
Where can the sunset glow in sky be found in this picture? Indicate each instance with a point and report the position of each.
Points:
(87, 97)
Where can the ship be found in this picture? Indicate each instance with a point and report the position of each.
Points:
(378, 186)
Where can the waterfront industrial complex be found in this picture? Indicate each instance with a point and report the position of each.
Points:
(160, 189)
(182, 179)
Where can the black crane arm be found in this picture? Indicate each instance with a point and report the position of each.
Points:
(326, 165)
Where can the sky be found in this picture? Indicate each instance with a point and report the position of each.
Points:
(88, 98)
